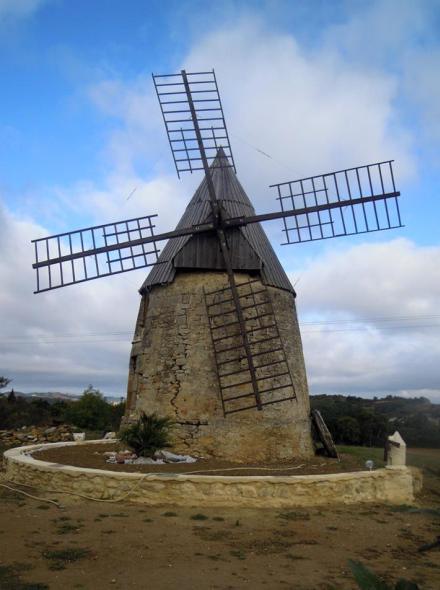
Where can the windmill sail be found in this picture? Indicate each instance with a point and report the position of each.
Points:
(94, 252)
(192, 111)
(341, 203)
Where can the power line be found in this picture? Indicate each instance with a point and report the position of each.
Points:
(373, 320)
(366, 329)
(349, 326)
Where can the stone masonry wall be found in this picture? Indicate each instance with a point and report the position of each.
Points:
(173, 373)
(382, 485)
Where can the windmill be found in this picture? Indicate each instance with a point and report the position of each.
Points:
(217, 335)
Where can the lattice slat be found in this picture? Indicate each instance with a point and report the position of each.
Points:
(94, 252)
(352, 201)
(179, 121)
(273, 376)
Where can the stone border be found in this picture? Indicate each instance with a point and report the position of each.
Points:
(389, 485)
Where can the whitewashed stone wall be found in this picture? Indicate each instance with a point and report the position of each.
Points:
(396, 485)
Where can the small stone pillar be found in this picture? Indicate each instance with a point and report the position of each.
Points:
(395, 451)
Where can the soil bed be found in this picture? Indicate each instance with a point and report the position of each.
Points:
(92, 457)
(122, 546)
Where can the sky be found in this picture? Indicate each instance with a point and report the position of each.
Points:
(316, 85)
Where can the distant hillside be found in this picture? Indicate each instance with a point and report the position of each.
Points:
(52, 396)
(355, 420)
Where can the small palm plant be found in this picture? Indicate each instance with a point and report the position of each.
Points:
(148, 435)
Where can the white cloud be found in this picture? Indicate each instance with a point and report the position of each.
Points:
(409, 47)
(370, 319)
(380, 30)
(312, 111)
(139, 130)
(422, 83)
(373, 280)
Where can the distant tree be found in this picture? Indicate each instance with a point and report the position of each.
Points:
(4, 381)
(373, 428)
(417, 419)
(11, 397)
(348, 430)
(90, 412)
(117, 411)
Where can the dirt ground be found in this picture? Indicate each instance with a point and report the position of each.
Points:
(97, 545)
(93, 456)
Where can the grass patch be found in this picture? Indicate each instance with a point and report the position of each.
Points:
(169, 514)
(147, 520)
(13, 497)
(43, 507)
(59, 558)
(363, 454)
(400, 508)
(67, 528)
(427, 459)
(207, 535)
(10, 578)
(119, 515)
(57, 566)
(293, 557)
(294, 515)
(199, 517)
(238, 553)
(412, 510)
(218, 518)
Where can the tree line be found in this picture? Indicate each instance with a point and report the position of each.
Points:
(367, 422)
(90, 412)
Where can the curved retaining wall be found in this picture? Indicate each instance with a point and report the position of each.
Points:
(393, 485)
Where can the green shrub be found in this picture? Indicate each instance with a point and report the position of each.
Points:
(367, 580)
(90, 412)
(148, 435)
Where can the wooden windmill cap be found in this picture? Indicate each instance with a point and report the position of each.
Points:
(249, 246)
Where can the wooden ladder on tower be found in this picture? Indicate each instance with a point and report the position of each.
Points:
(273, 380)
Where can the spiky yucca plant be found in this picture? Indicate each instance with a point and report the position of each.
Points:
(148, 435)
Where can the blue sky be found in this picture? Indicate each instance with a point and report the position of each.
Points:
(317, 85)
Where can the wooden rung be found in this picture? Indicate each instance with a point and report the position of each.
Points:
(275, 401)
(236, 384)
(275, 388)
(224, 325)
(271, 364)
(274, 377)
(230, 399)
(239, 358)
(235, 372)
(267, 351)
(226, 337)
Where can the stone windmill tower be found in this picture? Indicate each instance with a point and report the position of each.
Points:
(183, 361)
(217, 345)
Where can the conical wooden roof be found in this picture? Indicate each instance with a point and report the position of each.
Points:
(249, 246)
